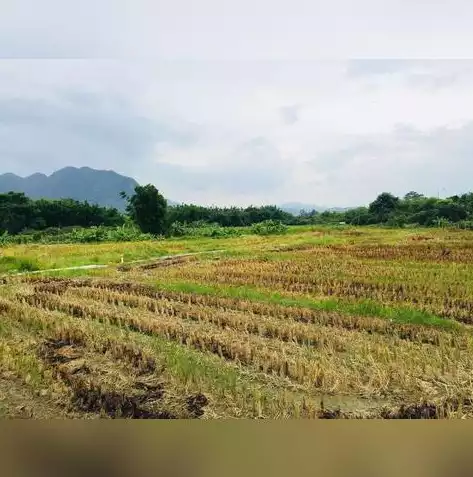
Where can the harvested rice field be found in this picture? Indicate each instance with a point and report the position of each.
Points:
(330, 323)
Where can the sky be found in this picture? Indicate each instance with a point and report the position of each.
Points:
(242, 102)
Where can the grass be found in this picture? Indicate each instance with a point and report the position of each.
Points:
(17, 264)
(373, 322)
(47, 256)
(362, 308)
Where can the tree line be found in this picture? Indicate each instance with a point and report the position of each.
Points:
(412, 209)
(386, 209)
(19, 213)
(148, 209)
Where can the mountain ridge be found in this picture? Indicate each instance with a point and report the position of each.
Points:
(296, 207)
(100, 187)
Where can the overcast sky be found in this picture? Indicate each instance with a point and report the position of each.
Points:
(248, 102)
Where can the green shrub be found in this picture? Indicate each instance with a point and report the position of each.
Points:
(7, 264)
(464, 224)
(178, 229)
(27, 265)
(124, 233)
(269, 227)
(201, 229)
(12, 264)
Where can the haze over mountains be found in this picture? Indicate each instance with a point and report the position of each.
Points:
(84, 183)
(296, 207)
(95, 186)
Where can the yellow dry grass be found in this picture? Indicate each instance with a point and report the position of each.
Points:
(364, 324)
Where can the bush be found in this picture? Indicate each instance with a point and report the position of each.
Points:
(269, 227)
(127, 234)
(443, 222)
(124, 233)
(178, 229)
(27, 265)
(397, 221)
(465, 224)
(12, 264)
(92, 234)
(201, 229)
(4, 238)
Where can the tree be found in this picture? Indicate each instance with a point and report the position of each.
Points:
(358, 216)
(412, 195)
(451, 211)
(15, 212)
(384, 205)
(147, 208)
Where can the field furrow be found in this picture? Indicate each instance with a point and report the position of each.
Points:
(357, 324)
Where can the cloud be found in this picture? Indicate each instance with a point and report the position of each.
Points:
(430, 75)
(378, 67)
(406, 159)
(80, 129)
(215, 132)
(290, 114)
(243, 30)
(433, 81)
(252, 172)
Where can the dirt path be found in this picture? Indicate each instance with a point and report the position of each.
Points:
(98, 266)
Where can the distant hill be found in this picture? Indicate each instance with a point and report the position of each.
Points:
(295, 208)
(97, 187)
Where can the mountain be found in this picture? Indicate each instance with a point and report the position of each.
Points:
(98, 187)
(295, 208)
(95, 186)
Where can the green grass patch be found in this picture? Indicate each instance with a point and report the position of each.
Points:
(10, 264)
(362, 308)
